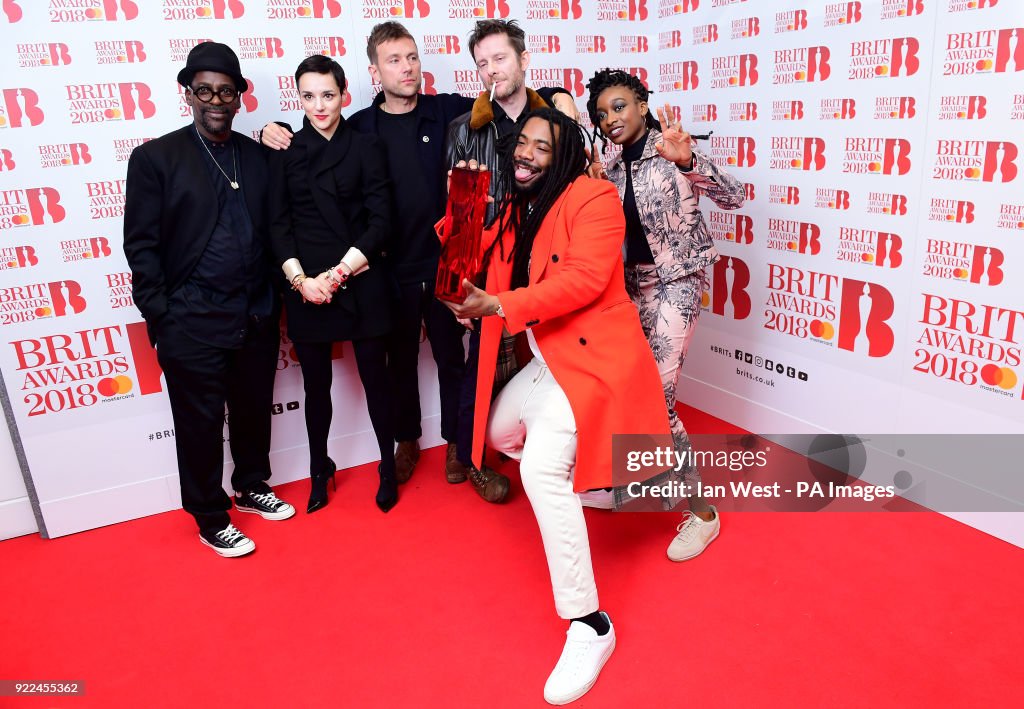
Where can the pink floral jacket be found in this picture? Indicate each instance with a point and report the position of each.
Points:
(666, 198)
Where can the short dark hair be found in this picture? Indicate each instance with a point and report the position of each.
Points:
(385, 32)
(486, 28)
(609, 78)
(319, 64)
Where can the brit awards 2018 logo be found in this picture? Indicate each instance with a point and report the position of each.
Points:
(792, 110)
(793, 236)
(672, 39)
(829, 310)
(449, 44)
(964, 5)
(784, 194)
(702, 34)
(668, 8)
(869, 247)
(204, 9)
(705, 113)
(959, 261)
(478, 9)
(607, 10)
(588, 44)
(568, 9)
(633, 44)
(106, 199)
(730, 226)
(123, 147)
(97, 103)
(841, 14)
(43, 54)
(92, 10)
(801, 65)
(391, 9)
(89, 249)
(1011, 216)
(303, 9)
(970, 343)
(64, 155)
(180, 47)
(797, 153)
(895, 107)
(32, 206)
(127, 51)
(743, 111)
(1017, 108)
(975, 160)
(790, 21)
(119, 290)
(884, 58)
(571, 79)
(959, 211)
(552, 44)
(733, 71)
(894, 9)
(837, 109)
(678, 76)
(985, 51)
(891, 204)
(831, 198)
(34, 301)
(876, 156)
(19, 108)
(745, 27)
(260, 48)
(325, 45)
(734, 151)
(727, 294)
(68, 371)
(18, 257)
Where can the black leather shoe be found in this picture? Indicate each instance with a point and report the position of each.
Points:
(387, 492)
(318, 487)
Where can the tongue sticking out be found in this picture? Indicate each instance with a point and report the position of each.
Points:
(523, 173)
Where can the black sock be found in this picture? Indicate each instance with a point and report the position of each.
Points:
(597, 621)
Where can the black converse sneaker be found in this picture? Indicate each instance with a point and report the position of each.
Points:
(228, 541)
(265, 504)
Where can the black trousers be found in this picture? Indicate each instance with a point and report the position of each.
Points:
(467, 400)
(317, 374)
(201, 380)
(417, 305)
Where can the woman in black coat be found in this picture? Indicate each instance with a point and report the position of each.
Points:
(329, 219)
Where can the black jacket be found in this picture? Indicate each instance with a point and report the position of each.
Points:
(170, 213)
(348, 181)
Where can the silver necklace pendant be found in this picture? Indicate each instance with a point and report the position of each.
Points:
(234, 185)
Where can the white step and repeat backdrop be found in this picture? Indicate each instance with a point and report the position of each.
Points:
(872, 282)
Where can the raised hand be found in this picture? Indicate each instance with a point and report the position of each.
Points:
(675, 145)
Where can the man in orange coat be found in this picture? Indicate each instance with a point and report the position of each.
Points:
(554, 272)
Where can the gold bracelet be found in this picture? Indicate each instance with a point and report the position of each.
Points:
(297, 281)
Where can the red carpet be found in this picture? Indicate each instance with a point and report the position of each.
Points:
(445, 602)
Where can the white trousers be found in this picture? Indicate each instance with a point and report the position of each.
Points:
(531, 421)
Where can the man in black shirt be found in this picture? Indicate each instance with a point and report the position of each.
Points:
(195, 236)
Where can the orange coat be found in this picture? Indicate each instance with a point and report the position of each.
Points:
(585, 324)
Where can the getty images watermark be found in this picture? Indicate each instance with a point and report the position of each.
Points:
(808, 473)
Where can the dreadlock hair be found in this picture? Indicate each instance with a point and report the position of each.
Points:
(606, 79)
(514, 209)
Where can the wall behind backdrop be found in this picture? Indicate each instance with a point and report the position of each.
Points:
(871, 282)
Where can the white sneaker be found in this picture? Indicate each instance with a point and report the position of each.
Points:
(598, 499)
(228, 542)
(583, 656)
(694, 535)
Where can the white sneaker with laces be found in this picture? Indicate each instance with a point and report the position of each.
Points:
(583, 656)
(598, 499)
(228, 542)
(694, 535)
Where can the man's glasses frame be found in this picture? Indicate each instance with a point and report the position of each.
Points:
(226, 94)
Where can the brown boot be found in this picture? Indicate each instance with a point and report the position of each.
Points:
(489, 484)
(455, 471)
(406, 455)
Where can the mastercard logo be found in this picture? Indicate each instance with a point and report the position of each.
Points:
(478, 12)
(44, 312)
(984, 65)
(114, 386)
(972, 173)
(93, 13)
(996, 376)
(396, 11)
(796, 162)
(882, 70)
(734, 81)
(19, 219)
(112, 113)
(867, 258)
(823, 329)
(791, 245)
(12, 264)
(705, 299)
(959, 273)
(800, 75)
(304, 12)
(731, 160)
(203, 12)
(730, 236)
(3, 121)
(874, 167)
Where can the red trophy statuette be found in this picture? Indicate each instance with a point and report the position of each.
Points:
(463, 223)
